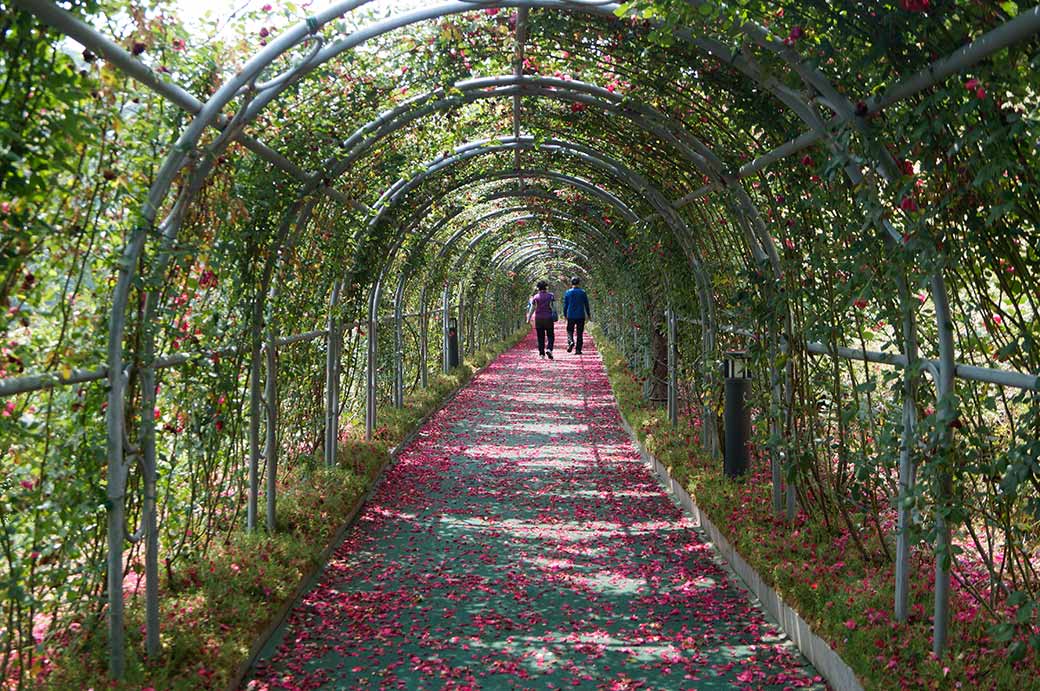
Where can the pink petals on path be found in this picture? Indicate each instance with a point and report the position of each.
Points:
(521, 543)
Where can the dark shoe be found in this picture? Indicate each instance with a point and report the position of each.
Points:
(549, 353)
(577, 352)
(570, 347)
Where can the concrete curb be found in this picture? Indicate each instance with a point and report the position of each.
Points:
(309, 578)
(828, 663)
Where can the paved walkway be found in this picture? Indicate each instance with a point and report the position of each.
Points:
(520, 543)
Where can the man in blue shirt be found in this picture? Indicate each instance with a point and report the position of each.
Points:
(576, 309)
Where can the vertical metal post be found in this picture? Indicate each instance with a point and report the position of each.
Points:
(946, 413)
(906, 462)
(709, 424)
(461, 326)
(445, 304)
(115, 494)
(648, 358)
(635, 331)
(792, 501)
(776, 421)
(789, 410)
(371, 375)
(332, 378)
(149, 513)
(255, 395)
(271, 451)
(673, 374)
(424, 339)
(399, 347)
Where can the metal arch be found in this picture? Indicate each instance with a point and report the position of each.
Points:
(511, 193)
(594, 159)
(517, 252)
(579, 183)
(710, 46)
(500, 256)
(472, 244)
(704, 44)
(539, 173)
(560, 242)
(521, 263)
(493, 214)
(552, 213)
(506, 86)
(646, 117)
(614, 168)
(399, 293)
(464, 152)
(529, 191)
(604, 9)
(501, 253)
(591, 157)
(482, 147)
(373, 320)
(536, 249)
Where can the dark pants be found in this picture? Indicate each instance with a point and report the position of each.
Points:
(572, 326)
(546, 331)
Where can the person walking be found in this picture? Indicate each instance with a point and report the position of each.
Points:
(541, 306)
(576, 309)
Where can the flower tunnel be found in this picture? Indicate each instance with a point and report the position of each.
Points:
(221, 254)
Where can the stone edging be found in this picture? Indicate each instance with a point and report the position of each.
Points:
(308, 578)
(828, 663)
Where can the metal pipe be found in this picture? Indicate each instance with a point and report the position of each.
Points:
(424, 340)
(446, 316)
(371, 375)
(673, 374)
(149, 513)
(1016, 380)
(1016, 30)
(518, 72)
(332, 361)
(255, 396)
(946, 412)
(90, 38)
(271, 452)
(399, 347)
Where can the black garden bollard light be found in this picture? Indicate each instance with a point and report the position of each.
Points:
(453, 343)
(737, 414)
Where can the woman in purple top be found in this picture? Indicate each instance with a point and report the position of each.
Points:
(542, 308)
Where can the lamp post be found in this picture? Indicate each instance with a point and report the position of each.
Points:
(737, 415)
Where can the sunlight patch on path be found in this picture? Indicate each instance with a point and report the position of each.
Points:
(520, 542)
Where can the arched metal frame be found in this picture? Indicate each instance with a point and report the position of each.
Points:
(419, 248)
(256, 95)
(610, 166)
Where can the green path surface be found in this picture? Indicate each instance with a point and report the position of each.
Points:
(520, 542)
